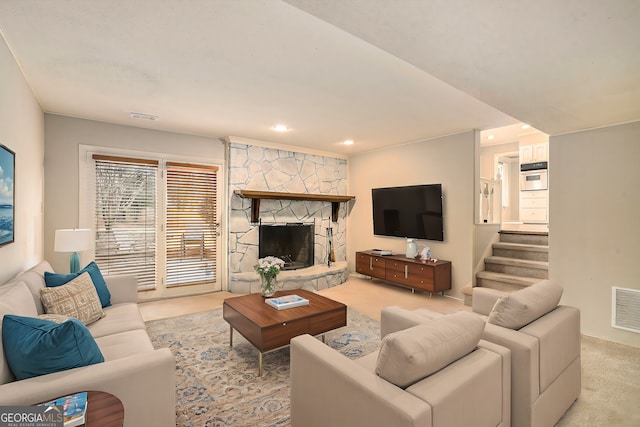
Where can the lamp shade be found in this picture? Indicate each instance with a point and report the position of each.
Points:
(72, 240)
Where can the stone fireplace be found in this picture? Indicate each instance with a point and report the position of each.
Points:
(253, 166)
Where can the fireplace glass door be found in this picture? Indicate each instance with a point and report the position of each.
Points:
(293, 243)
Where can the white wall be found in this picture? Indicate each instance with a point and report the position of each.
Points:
(63, 137)
(487, 157)
(22, 131)
(448, 160)
(594, 224)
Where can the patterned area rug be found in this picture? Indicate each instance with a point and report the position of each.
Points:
(219, 386)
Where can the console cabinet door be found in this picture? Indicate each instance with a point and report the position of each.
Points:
(422, 276)
(370, 265)
(417, 276)
(397, 272)
(362, 263)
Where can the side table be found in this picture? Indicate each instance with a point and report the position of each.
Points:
(103, 410)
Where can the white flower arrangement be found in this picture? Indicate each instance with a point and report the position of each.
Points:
(268, 268)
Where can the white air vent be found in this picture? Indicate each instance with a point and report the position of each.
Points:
(625, 309)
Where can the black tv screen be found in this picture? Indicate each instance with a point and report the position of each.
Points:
(413, 211)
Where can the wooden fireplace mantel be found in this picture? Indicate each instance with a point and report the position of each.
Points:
(256, 196)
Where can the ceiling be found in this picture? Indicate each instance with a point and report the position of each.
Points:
(379, 72)
(510, 134)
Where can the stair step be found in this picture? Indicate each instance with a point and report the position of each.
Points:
(540, 265)
(467, 292)
(517, 267)
(503, 282)
(525, 237)
(520, 259)
(521, 251)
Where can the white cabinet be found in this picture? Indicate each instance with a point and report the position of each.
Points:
(526, 154)
(540, 152)
(534, 206)
(532, 153)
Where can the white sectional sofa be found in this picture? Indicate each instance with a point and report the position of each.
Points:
(143, 378)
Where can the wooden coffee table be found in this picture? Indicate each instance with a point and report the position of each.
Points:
(267, 328)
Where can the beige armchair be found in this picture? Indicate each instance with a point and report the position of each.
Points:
(544, 339)
(435, 374)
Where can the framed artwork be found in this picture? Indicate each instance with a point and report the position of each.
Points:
(7, 195)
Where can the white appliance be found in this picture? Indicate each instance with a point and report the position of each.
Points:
(534, 176)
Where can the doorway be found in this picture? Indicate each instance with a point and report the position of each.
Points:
(507, 166)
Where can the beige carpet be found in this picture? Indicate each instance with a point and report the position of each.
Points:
(610, 393)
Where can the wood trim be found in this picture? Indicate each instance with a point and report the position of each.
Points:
(256, 196)
(125, 159)
(192, 166)
(251, 194)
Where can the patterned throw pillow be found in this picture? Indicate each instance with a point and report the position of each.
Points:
(78, 299)
(52, 280)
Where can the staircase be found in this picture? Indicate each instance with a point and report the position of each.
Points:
(519, 259)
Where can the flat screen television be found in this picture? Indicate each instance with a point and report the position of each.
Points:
(413, 211)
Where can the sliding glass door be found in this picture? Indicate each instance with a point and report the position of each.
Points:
(191, 218)
(157, 219)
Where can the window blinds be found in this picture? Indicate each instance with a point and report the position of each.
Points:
(191, 215)
(125, 217)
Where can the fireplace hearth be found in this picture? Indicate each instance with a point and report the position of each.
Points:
(292, 242)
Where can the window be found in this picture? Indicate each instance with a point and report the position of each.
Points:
(125, 217)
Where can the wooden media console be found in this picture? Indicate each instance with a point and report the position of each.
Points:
(420, 274)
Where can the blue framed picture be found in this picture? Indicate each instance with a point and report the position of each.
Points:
(7, 195)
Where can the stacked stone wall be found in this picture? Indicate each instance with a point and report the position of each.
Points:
(268, 169)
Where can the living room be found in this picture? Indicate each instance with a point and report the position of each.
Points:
(593, 226)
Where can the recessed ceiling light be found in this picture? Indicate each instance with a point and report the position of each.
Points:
(526, 126)
(490, 137)
(348, 142)
(280, 128)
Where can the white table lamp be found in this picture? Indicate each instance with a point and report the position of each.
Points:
(73, 240)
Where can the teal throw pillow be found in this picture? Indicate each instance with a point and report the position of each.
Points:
(53, 280)
(36, 347)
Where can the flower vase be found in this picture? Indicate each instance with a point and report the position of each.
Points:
(268, 286)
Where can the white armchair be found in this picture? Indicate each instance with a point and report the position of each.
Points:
(419, 377)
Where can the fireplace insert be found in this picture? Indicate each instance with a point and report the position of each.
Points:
(292, 242)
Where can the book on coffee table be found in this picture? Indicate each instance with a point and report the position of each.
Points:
(74, 408)
(287, 301)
